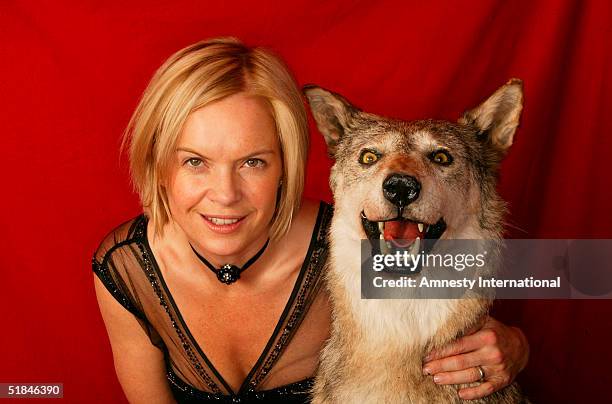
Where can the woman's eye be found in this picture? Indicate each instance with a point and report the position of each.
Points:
(441, 157)
(194, 162)
(254, 163)
(368, 157)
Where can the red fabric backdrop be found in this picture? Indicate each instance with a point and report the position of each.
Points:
(72, 73)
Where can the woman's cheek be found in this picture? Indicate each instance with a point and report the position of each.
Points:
(188, 190)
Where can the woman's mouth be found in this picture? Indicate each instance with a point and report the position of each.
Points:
(223, 224)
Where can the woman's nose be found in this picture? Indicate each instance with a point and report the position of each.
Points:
(225, 188)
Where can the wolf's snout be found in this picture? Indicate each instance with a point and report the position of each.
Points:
(401, 190)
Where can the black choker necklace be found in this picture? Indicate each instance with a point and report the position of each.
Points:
(229, 273)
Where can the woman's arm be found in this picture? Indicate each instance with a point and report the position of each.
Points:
(500, 351)
(139, 365)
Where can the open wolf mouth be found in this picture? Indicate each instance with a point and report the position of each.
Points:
(391, 235)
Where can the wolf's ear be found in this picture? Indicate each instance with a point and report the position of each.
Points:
(498, 117)
(332, 112)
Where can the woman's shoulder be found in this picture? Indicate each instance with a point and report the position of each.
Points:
(122, 235)
(118, 265)
(312, 215)
(310, 210)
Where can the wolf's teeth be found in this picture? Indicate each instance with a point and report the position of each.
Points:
(416, 246)
(420, 227)
(381, 227)
(384, 246)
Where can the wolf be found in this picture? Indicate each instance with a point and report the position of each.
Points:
(409, 180)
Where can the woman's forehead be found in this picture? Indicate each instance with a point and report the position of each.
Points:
(234, 124)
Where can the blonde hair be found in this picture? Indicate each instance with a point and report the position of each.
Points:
(194, 77)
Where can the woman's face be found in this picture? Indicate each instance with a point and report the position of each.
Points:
(225, 176)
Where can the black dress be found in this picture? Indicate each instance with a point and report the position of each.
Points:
(125, 264)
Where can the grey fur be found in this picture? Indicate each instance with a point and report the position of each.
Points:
(463, 192)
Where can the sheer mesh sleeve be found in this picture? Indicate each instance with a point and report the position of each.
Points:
(114, 263)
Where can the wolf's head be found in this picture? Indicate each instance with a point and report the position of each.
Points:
(416, 180)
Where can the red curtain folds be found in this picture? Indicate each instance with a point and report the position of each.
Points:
(71, 73)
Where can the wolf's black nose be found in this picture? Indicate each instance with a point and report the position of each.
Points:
(401, 190)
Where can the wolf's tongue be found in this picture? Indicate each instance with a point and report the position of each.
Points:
(401, 230)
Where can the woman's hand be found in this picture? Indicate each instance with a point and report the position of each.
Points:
(499, 350)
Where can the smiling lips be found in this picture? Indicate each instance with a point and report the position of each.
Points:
(223, 225)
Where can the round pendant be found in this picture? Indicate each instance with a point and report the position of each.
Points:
(228, 274)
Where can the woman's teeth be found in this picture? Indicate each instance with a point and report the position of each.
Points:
(221, 222)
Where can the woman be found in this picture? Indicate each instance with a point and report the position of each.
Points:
(222, 271)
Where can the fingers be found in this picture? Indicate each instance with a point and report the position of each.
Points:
(454, 363)
(479, 335)
(459, 377)
(488, 386)
(462, 345)
(500, 350)
(472, 393)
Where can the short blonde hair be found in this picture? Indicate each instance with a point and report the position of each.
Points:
(194, 77)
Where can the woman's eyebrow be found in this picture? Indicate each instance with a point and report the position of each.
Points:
(257, 153)
(188, 150)
(250, 154)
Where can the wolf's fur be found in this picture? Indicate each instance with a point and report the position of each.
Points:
(376, 350)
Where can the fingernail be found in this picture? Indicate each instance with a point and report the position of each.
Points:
(426, 371)
(437, 379)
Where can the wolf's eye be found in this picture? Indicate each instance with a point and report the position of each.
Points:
(441, 157)
(368, 157)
